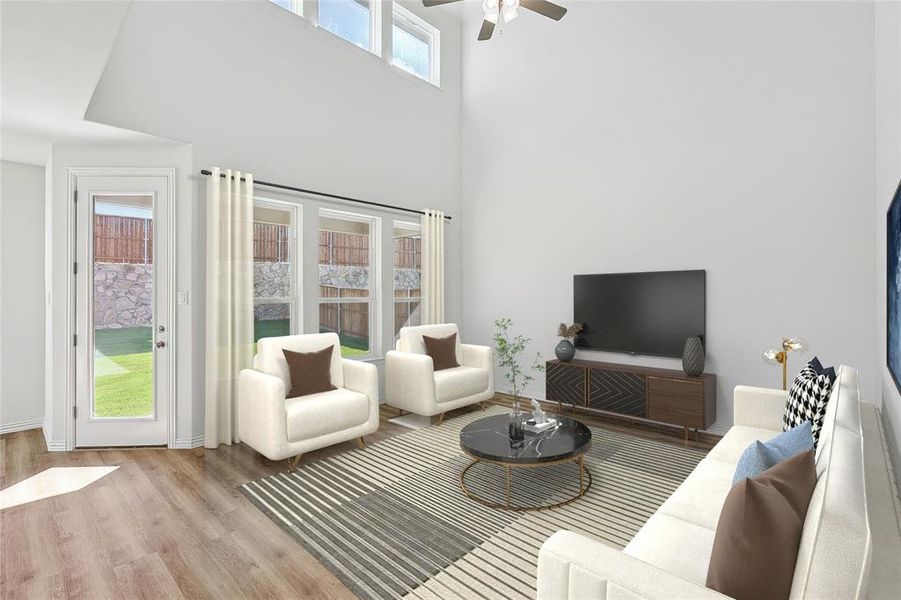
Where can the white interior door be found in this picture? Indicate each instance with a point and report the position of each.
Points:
(122, 311)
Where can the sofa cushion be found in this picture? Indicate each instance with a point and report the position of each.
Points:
(309, 372)
(760, 456)
(459, 382)
(326, 412)
(759, 531)
(738, 438)
(270, 358)
(808, 397)
(442, 350)
(410, 338)
(674, 545)
(699, 498)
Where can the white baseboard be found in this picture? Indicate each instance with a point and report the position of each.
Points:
(189, 443)
(21, 425)
(54, 445)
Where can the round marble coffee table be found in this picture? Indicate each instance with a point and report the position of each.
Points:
(488, 440)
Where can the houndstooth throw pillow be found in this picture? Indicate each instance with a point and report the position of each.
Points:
(808, 397)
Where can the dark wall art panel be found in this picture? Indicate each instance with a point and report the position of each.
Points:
(893, 288)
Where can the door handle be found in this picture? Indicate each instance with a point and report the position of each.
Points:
(161, 344)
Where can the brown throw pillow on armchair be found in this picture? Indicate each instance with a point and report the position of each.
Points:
(757, 537)
(311, 372)
(442, 350)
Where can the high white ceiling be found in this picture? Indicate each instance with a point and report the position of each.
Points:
(52, 55)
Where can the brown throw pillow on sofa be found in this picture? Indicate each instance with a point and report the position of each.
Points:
(311, 372)
(442, 350)
(757, 537)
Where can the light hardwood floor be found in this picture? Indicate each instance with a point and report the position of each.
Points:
(165, 524)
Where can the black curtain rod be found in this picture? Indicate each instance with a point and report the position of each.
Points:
(327, 195)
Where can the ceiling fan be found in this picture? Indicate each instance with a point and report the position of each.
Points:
(504, 11)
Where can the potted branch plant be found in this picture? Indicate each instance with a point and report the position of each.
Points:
(509, 349)
(565, 350)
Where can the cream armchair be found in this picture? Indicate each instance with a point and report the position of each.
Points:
(279, 427)
(412, 384)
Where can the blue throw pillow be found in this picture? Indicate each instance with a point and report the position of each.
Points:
(760, 456)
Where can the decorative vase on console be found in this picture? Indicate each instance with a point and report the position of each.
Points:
(693, 357)
(565, 350)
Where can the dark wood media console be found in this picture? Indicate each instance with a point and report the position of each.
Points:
(661, 395)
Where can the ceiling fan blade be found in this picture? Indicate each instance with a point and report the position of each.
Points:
(428, 3)
(543, 7)
(486, 31)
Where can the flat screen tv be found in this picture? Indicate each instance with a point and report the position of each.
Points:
(640, 313)
(893, 288)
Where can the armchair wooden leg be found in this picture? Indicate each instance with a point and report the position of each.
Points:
(482, 405)
(401, 412)
(361, 442)
(293, 462)
(440, 419)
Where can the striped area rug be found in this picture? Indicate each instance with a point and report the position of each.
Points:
(390, 520)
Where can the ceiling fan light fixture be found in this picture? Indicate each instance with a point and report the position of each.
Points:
(510, 10)
(491, 10)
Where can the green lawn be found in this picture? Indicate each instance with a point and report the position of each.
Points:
(278, 327)
(123, 383)
(123, 366)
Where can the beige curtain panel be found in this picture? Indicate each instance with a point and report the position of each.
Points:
(432, 226)
(229, 299)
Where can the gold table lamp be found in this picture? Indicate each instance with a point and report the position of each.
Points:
(776, 356)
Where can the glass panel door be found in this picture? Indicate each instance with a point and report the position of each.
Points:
(123, 302)
(123, 306)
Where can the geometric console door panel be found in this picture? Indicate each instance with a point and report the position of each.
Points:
(618, 392)
(565, 384)
(635, 392)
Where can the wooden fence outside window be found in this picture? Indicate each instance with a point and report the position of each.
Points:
(123, 239)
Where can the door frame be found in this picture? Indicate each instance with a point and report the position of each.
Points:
(71, 293)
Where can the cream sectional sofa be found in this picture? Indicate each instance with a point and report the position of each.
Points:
(668, 557)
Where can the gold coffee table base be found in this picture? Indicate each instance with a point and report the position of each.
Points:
(583, 488)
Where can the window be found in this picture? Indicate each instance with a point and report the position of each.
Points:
(354, 20)
(276, 278)
(295, 6)
(407, 275)
(348, 280)
(414, 45)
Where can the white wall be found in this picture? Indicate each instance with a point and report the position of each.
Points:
(21, 296)
(733, 137)
(255, 88)
(888, 175)
(59, 274)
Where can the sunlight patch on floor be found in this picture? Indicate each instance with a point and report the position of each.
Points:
(51, 482)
